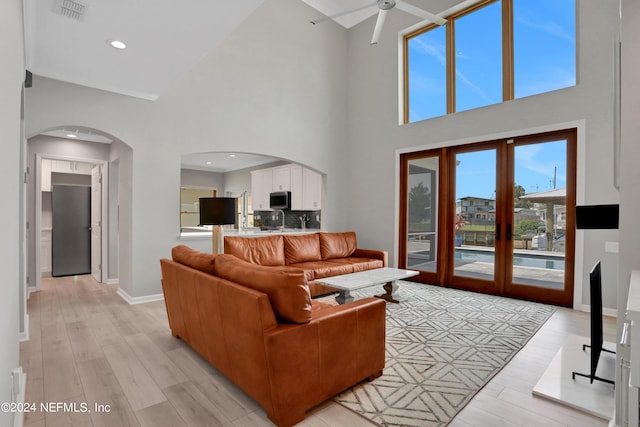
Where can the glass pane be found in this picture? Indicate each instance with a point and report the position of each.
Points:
(422, 214)
(427, 75)
(190, 206)
(479, 58)
(539, 214)
(544, 45)
(474, 228)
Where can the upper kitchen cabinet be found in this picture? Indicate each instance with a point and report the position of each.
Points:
(306, 189)
(304, 184)
(61, 166)
(281, 179)
(261, 187)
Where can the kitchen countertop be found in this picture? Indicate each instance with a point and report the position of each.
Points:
(206, 234)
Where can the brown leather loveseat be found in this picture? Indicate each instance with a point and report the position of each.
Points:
(259, 326)
(319, 255)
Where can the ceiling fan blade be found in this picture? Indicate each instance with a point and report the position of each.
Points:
(382, 16)
(420, 13)
(338, 15)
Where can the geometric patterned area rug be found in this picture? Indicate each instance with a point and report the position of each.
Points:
(443, 345)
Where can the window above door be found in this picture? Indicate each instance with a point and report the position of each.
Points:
(495, 51)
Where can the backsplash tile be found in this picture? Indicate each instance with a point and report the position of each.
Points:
(292, 219)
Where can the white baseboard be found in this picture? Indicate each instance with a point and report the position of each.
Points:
(139, 300)
(24, 336)
(18, 385)
(611, 312)
(113, 281)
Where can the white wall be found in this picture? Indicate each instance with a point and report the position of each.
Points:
(374, 129)
(195, 178)
(11, 81)
(276, 86)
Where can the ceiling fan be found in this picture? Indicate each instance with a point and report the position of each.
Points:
(384, 7)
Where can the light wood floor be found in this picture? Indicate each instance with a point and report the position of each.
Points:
(87, 346)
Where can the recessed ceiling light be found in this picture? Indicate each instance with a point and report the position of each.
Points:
(208, 163)
(232, 155)
(117, 44)
(70, 135)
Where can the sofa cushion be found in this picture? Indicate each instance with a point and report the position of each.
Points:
(359, 264)
(337, 245)
(195, 259)
(263, 250)
(324, 269)
(301, 248)
(286, 287)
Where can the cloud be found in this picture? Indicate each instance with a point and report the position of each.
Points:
(549, 27)
(439, 54)
(532, 158)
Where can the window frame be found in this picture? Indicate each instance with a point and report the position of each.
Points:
(508, 78)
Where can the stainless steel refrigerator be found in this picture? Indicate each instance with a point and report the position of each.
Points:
(71, 234)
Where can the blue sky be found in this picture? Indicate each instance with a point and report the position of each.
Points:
(535, 167)
(544, 57)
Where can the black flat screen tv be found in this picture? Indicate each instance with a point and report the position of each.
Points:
(595, 285)
(600, 217)
(596, 341)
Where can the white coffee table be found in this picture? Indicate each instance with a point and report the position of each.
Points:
(345, 283)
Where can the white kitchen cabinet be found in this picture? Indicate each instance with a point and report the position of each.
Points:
(66, 166)
(261, 186)
(45, 252)
(306, 189)
(281, 179)
(311, 190)
(45, 175)
(82, 168)
(61, 166)
(296, 188)
(304, 184)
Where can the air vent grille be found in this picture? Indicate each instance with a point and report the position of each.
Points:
(70, 8)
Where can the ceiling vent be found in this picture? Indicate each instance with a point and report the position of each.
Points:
(70, 8)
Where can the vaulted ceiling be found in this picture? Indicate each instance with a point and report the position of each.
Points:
(69, 40)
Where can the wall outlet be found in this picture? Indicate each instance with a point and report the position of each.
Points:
(611, 247)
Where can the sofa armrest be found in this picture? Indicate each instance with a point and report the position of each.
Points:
(310, 363)
(373, 254)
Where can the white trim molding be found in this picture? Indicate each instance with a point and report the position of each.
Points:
(138, 300)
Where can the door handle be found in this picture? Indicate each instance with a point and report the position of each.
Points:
(497, 232)
(509, 232)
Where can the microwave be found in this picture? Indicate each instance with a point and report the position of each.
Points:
(280, 200)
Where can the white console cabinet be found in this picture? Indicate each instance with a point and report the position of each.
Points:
(630, 401)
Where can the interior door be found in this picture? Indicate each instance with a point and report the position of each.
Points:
(96, 222)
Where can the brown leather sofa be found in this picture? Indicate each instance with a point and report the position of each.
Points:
(259, 326)
(319, 255)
